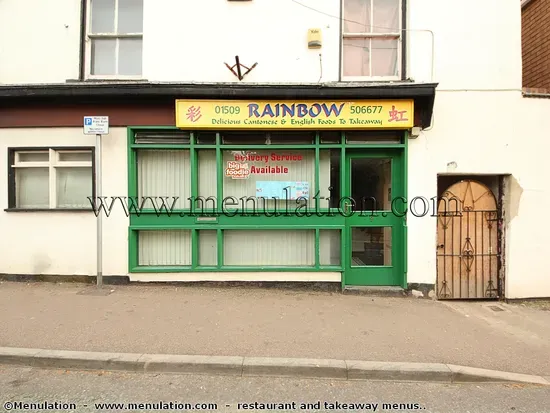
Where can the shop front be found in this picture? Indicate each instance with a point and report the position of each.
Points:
(300, 187)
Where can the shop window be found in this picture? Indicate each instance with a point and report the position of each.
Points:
(330, 137)
(163, 138)
(206, 138)
(276, 248)
(330, 251)
(115, 30)
(379, 137)
(207, 200)
(289, 138)
(164, 176)
(329, 178)
(371, 246)
(49, 178)
(269, 138)
(208, 247)
(259, 177)
(371, 39)
(371, 184)
(244, 138)
(164, 248)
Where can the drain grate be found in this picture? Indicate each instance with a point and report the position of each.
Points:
(496, 308)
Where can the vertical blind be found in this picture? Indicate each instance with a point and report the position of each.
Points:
(167, 173)
(269, 248)
(165, 248)
(164, 173)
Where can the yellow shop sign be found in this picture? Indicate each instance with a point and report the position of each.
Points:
(238, 114)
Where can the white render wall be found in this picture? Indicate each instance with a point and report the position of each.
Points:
(188, 41)
(487, 133)
(64, 243)
(39, 41)
(481, 121)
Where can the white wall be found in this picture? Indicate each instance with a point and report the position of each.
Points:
(477, 45)
(488, 133)
(488, 129)
(39, 41)
(193, 40)
(64, 242)
(188, 41)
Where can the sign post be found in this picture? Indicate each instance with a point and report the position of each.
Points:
(98, 126)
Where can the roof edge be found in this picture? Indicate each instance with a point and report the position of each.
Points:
(135, 89)
(100, 93)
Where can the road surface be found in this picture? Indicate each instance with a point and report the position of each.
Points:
(26, 389)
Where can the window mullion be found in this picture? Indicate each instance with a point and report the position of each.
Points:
(219, 173)
(317, 179)
(116, 17)
(194, 178)
(370, 57)
(52, 177)
(371, 16)
(117, 49)
(398, 66)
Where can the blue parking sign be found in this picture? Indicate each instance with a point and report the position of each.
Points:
(96, 125)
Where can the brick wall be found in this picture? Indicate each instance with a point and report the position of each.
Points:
(536, 45)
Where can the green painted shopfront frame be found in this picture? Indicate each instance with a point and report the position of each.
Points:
(195, 219)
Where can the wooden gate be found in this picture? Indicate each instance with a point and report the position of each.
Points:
(467, 242)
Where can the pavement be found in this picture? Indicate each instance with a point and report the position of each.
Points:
(248, 325)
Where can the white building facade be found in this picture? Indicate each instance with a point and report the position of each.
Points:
(363, 114)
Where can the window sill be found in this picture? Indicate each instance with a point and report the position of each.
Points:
(114, 78)
(372, 79)
(48, 210)
(108, 79)
(141, 269)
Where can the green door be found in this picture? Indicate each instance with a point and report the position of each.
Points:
(374, 206)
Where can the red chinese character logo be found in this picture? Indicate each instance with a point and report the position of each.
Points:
(194, 114)
(397, 116)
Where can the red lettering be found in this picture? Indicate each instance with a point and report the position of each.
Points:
(287, 157)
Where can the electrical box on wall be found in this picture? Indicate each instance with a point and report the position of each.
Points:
(415, 132)
(314, 39)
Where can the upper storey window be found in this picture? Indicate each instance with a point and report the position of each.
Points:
(371, 39)
(115, 38)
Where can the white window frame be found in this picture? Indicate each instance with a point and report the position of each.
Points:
(52, 164)
(116, 36)
(389, 35)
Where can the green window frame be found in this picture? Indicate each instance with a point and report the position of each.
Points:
(196, 220)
